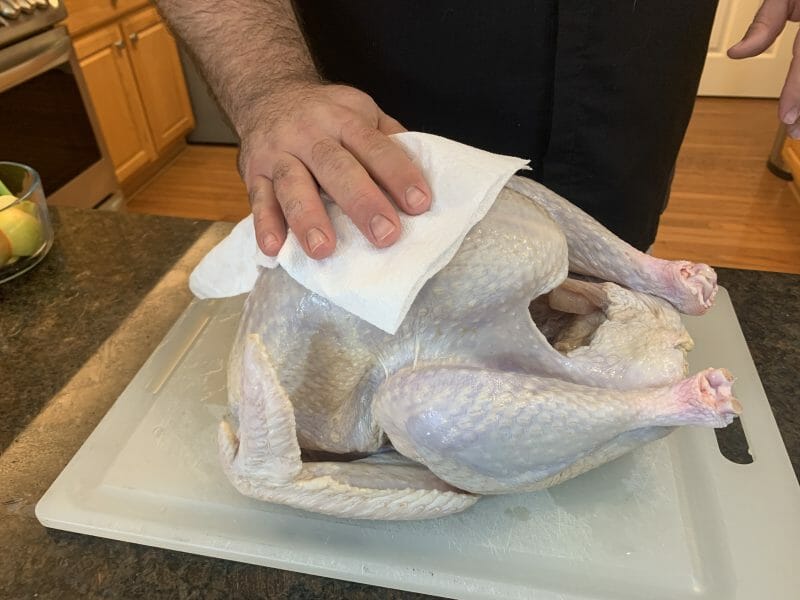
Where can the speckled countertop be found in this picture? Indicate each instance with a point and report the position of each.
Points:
(100, 271)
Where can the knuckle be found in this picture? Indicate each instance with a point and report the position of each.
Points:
(363, 201)
(322, 149)
(373, 140)
(356, 97)
(381, 151)
(293, 208)
(392, 122)
(319, 112)
(281, 171)
(288, 179)
(328, 155)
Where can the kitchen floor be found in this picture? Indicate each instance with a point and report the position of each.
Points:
(725, 209)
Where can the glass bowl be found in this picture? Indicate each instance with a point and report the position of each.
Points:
(25, 232)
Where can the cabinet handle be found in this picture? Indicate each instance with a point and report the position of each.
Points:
(134, 37)
(119, 44)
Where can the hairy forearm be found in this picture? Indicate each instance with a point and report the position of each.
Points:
(247, 49)
(298, 134)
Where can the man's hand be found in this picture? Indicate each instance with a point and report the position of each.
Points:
(334, 136)
(296, 132)
(767, 25)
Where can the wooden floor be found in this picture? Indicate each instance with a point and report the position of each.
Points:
(726, 208)
(201, 183)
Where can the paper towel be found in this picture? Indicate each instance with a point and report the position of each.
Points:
(378, 285)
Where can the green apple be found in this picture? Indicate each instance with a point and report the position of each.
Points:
(7, 200)
(22, 231)
(30, 207)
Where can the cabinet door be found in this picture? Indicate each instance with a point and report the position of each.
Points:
(159, 75)
(112, 87)
(83, 15)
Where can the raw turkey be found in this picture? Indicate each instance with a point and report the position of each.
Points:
(505, 376)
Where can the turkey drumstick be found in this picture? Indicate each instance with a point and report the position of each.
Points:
(594, 250)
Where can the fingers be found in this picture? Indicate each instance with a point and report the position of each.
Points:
(336, 138)
(299, 200)
(267, 216)
(389, 166)
(766, 27)
(290, 197)
(388, 125)
(351, 187)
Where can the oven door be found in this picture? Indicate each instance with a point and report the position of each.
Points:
(47, 121)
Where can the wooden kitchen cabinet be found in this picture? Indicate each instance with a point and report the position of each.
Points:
(136, 83)
(159, 74)
(84, 15)
(113, 89)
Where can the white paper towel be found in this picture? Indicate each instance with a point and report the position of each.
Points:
(378, 285)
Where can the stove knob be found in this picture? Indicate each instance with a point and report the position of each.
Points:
(26, 6)
(8, 10)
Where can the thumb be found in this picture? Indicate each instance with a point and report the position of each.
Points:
(765, 29)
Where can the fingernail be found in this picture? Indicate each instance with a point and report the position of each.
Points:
(790, 117)
(315, 238)
(415, 197)
(381, 227)
(270, 242)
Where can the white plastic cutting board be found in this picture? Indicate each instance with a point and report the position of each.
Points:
(673, 520)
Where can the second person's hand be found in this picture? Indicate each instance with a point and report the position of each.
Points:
(312, 135)
(767, 25)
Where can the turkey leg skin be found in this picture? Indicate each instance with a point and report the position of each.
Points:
(262, 460)
(595, 251)
(491, 432)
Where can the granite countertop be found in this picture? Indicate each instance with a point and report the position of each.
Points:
(56, 318)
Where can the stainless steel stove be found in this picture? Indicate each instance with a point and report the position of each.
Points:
(21, 18)
(48, 121)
